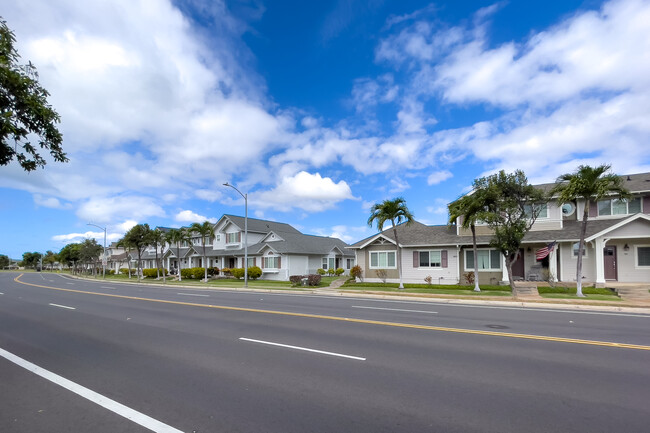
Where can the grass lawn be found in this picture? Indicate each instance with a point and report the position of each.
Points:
(433, 289)
(592, 293)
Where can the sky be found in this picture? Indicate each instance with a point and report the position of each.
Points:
(316, 110)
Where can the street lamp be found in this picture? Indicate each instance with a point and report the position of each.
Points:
(245, 231)
(104, 256)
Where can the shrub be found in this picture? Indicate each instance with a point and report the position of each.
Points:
(331, 271)
(110, 271)
(428, 279)
(149, 272)
(313, 279)
(382, 274)
(321, 271)
(198, 273)
(296, 280)
(237, 273)
(124, 271)
(469, 277)
(213, 271)
(187, 273)
(226, 271)
(339, 272)
(254, 272)
(356, 272)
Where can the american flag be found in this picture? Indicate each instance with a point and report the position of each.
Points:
(543, 252)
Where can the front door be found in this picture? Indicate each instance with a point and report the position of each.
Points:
(609, 255)
(518, 272)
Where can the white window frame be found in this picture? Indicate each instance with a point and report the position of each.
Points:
(327, 261)
(370, 266)
(636, 257)
(349, 263)
(229, 235)
(490, 269)
(574, 251)
(611, 206)
(529, 208)
(275, 262)
(429, 260)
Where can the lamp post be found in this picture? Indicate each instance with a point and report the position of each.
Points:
(104, 256)
(245, 231)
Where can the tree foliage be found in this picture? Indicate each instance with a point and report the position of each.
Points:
(205, 231)
(30, 260)
(396, 212)
(177, 237)
(508, 198)
(4, 261)
(138, 238)
(589, 184)
(24, 111)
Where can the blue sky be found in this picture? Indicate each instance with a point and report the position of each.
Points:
(317, 109)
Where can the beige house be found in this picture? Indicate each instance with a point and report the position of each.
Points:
(617, 245)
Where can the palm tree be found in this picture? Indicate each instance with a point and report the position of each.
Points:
(156, 239)
(138, 237)
(470, 208)
(589, 184)
(205, 230)
(124, 243)
(177, 237)
(396, 212)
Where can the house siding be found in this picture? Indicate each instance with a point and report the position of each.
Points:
(442, 275)
(484, 277)
(626, 260)
(568, 263)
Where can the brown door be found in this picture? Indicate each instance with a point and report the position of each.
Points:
(518, 266)
(609, 256)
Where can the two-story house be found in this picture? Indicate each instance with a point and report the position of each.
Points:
(617, 245)
(277, 248)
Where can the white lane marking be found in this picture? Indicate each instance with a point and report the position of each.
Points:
(70, 283)
(395, 309)
(107, 403)
(303, 348)
(193, 294)
(110, 288)
(63, 306)
(1, 293)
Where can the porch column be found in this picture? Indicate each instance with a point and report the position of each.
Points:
(552, 264)
(600, 261)
(504, 271)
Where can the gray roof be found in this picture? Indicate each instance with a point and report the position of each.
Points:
(261, 226)
(299, 243)
(182, 251)
(418, 234)
(634, 183)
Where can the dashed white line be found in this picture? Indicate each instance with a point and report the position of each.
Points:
(193, 294)
(110, 288)
(107, 403)
(1, 293)
(70, 284)
(270, 343)
(63, 306)
(395, 309)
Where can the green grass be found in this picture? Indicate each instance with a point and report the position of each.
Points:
(434, 289)
(592, 293)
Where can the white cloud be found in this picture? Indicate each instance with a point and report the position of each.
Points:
(50, 202)
(438, 176)
(310, 192)
(109, 209)
(208, 194)
(191, 217)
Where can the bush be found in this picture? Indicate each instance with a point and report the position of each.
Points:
(124, 271)
(321, 271)
(428, 279)
(149, 272)
(198, 273)
(213, 271)
(382, 274)
(296, 280)
(110, 271)
(254, 272)
(469, 277)
(356, 272)
(313, 279)
(339, 272)
(237, 273)
(226, 271)
(187, 273)
(331, 271)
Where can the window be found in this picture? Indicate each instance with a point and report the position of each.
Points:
(271, 262)
(540, 208)
(431, 259)
(643, 257)
(382, 259)
(349, 263)
(232, 238)
(487, 259)
(251, 262)
(574, 252)
(218, 238)
(619, 207)
(328, 263)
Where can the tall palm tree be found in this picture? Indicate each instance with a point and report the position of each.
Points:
(396, 212)
(177, 237)
(206, 231)
(156, 239)
(589, 184)
(138, 237)
(470, 208)
(124, 243)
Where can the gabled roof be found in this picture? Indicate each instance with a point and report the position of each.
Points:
(260, 226)
(184, 252)
(619, 224)
(298, 243)
(415, 234)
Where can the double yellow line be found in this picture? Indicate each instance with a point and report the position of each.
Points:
(370, 322)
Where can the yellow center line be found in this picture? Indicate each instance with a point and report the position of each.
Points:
(351, 320)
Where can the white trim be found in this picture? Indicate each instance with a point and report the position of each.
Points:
(372, 239)
(499, 269)
(636, 257)
(618, 225)
(431, 267)
(584, 250)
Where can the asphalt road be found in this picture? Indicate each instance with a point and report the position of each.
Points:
(171, 359)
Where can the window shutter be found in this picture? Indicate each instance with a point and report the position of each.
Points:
(443, 258)
(254, 261)
(646, 204)
(279, 262)
(593, 208)
(416, 259)
(238, 236)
